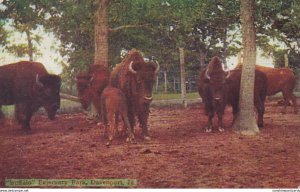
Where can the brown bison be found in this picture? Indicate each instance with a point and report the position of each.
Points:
(91, 84)
(260, 92)
(113, 104)
(212, 88)
(280, 80)
(135, 78)
(29, 86)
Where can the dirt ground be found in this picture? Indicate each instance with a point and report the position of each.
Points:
(180, 154)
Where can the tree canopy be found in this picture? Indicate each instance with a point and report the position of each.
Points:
(156, 27)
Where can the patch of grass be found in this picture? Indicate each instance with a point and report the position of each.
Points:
(168, 96)
(8, 110)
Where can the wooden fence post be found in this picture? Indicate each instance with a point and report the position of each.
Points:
(286, 61)
(182, 77)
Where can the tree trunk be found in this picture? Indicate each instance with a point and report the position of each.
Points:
(156, 84)
(30, 47)
(245, 122)
(202, 59)
(225, 48)
(182, 75)
(101, 33)
(166, 82)
(174, 84)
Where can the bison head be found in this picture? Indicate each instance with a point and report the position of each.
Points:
(48, 93)
(216, 79)
(144, 73)
(90, 85)
(83, 81)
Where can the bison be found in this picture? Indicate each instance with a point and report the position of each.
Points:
(279, 80)
(135, 78)
(218, 88)
(91, 84)
(212, 88)
(28, 85)
(260, 92)
(113, 104)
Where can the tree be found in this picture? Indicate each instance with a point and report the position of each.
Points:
(26, 16)
(245, 122)
(101, 33)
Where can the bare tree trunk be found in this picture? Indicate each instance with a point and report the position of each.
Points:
(101, 33)
(166, 82)
(156, 85)
(202, 59)
(246, 123)
(225, 47)
(174, 84)
(101, 41)
(30, 47)
(182, 75)
(286, 61)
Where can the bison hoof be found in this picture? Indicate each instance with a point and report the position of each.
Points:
(131, 140)
(147, 138)
(221, 129)
(108, 144)
(208, 130)
(26, 131)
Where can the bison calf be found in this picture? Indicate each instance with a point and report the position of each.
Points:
(113, 103)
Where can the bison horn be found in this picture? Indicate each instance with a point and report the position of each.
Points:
(206, 74)
(157, 67)
(148, 98)
(227, 73)
(38, 82)
(131, 69)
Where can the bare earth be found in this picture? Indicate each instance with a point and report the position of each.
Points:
(180, 154)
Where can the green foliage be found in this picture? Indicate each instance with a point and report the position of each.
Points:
(204, 28)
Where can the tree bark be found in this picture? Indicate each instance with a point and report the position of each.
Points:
(101, 33)
(202, 56)
(30, 47)
(245, 122)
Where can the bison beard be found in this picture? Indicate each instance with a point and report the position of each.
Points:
(29, 86)
(135, 78)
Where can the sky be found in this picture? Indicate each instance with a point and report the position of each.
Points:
(48, 47)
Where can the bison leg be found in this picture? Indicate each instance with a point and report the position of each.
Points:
(130, 135)
(23, 114)
(260, 108)
(143, 119)
(294, 100)
(220, 124)
(210, 122)
(1, 116)
(111, 127)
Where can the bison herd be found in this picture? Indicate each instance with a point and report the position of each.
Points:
(126, 91)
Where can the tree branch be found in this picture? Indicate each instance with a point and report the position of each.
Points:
(127, 26)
